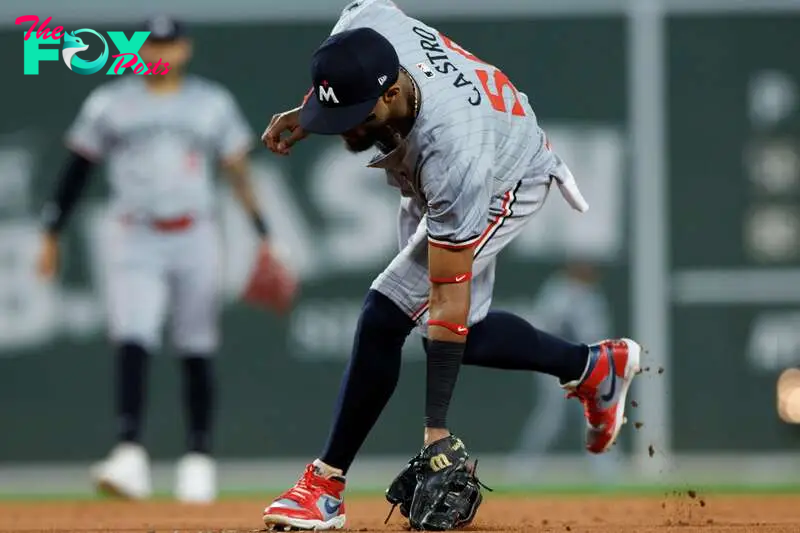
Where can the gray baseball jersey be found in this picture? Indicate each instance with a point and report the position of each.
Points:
(160, 149)
(474, 168)
(161, 153)
(475, 136)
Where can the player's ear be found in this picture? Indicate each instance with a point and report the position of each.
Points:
(391, 94)
(188, 47)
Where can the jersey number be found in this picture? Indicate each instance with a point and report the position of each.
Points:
(498, 79)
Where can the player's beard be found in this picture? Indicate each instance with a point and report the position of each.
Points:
(385, 136)
(359, 144)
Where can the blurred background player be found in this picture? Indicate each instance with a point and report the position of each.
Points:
(571, 304)
(160, 136)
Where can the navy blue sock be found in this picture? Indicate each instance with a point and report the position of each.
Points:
(506, 341)
(198, 394)
(131, 377)
(370, 378)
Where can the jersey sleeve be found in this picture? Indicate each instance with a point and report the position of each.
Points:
(234, 135)
(369, 13)
(457, 189)
(347, 15)
(89, 134)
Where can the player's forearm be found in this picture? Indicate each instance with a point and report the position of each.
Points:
(239, 177)
(245, 195)
(449, 300)
(71, 183)
(449, 310)
(450, 274)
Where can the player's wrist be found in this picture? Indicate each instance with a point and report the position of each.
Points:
(50, 237)
(443, 364)
(50, 232)
(260, 225)
(52, 219)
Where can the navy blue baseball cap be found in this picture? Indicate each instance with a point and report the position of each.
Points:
(163, 28)
(350, 70)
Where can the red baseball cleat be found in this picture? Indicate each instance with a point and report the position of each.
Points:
(603, 388)
(314, 503)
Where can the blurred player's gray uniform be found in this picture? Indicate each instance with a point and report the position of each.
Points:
(161, 139)
(576, 309)
(161, 152)
(484, 157)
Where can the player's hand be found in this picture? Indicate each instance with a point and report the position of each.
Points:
(288, 121)
(47, 264)
(271, 284)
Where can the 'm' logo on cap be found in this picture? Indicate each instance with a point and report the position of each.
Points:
(326, 93)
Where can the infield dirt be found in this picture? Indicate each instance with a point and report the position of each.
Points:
(679, 512)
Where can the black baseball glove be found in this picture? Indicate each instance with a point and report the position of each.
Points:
(437, 490)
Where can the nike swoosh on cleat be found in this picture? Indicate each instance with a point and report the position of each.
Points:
(613, 369)
(331, 506)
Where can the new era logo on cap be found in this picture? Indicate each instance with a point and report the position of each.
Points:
(382, 79)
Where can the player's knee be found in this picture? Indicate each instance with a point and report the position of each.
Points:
(149, 343)
(204, 344)
(377, 347)
(380, 316)
(198, 336)
(132, 350)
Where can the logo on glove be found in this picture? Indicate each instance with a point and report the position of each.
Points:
(440, 462)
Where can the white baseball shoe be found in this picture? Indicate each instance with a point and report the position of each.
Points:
(125, 473)
(196, 479)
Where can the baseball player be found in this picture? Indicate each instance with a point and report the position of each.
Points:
(463, 146)
(160, 137)
(572, 304)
